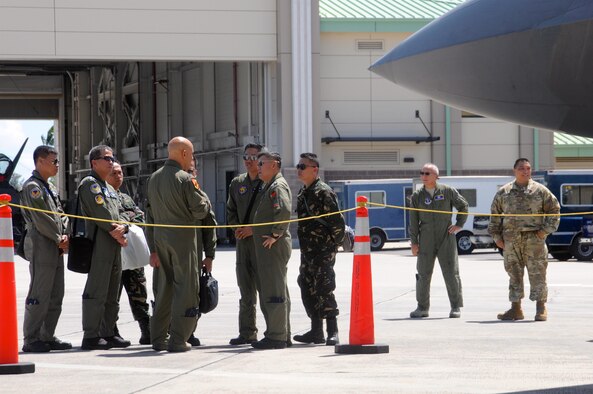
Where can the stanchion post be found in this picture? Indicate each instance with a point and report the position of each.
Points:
(362, 324)
(9, 341)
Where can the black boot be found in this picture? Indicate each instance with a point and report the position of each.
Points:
(313, 336)
(144, 331)
(332, 331)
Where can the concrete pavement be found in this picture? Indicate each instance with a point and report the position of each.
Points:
(476, 353)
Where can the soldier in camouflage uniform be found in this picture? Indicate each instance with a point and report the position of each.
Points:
(45, 244)
(273, 247)
(433, 236)
(523, 238)
(319, 240)
(133, 280)
(99, 299)
(244, 195)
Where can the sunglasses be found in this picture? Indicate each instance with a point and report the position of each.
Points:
(302, 167)
(55, 162)
(250, 157)
(425, 173)
(109, 159)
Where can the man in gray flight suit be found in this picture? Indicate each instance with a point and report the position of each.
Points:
(243, 198)
(99, 298)
(523, 238)
(273, 247)
(133, 280)
(174, 198)
(432, 235)
(45, 244)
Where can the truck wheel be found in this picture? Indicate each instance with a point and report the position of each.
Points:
(377, 240)
(581, 252)
(464, 242)
(561, 256)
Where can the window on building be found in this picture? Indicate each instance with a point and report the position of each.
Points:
(577, 194)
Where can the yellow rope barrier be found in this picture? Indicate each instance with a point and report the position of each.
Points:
(169, 225)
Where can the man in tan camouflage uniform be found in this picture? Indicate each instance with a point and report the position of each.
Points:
(523, 238)
(133, 280)
(45, 244)
(319, 240)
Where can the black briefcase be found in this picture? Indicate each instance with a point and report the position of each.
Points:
(208, 292)
(80, 253)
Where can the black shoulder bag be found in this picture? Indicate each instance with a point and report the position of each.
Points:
(80, 250)
(208, 292)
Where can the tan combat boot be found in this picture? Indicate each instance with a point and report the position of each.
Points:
(515, 313)
(541, 313)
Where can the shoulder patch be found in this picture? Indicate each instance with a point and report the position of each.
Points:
(95, 188)
(243, 190)
(273, 194)
(35, 192)
(99, 199)
(196, 184)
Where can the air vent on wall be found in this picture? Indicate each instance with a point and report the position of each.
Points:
(369, 45)
(375, 157)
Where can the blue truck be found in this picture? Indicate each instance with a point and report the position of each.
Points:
(385, 224)
(574, 191)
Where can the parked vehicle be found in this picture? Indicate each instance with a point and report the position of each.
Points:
(385, 224)
(574, 191)
(479, 192)
(7, 167)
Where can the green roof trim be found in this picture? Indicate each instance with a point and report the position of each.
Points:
(566, 145)
(385, 9)
(369, 26)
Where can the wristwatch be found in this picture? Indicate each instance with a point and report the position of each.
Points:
(275, 236)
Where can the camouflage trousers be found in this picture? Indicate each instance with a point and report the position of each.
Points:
(134, 282)
(317, 281)
(526, 250)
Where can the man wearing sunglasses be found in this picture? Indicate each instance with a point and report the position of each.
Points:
(319, 240)
(273, 247)
(244, 196)
(45, 243)
(100, 306)
(433, 236)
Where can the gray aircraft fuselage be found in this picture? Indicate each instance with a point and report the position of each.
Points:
(524, 61)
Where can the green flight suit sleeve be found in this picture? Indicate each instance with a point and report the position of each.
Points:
(149, 230)
(460, 203)
(198, 203)
(232, 215)
(45, 223)
(94, 205)
(209, 235)
(414, 228)
(281, 205)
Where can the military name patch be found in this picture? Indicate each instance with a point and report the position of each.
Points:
(196, 184)
(242, 190)
(440, 197)
(99, 199)
(35, 193)
(95, 188)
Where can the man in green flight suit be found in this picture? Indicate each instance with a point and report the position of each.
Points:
(45, 244)
(99, 298)
(244, 195)
(433, 235)
(174, 198)
(133, 280)
(273, 247)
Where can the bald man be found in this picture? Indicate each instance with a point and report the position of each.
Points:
(174, 198)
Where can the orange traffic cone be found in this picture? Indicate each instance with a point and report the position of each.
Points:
(9, 342)
(362, 324)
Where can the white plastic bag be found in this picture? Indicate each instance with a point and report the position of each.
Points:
(136, 254)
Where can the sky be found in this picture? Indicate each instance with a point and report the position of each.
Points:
(12, 135)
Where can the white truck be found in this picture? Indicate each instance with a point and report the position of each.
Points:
(479, 192)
